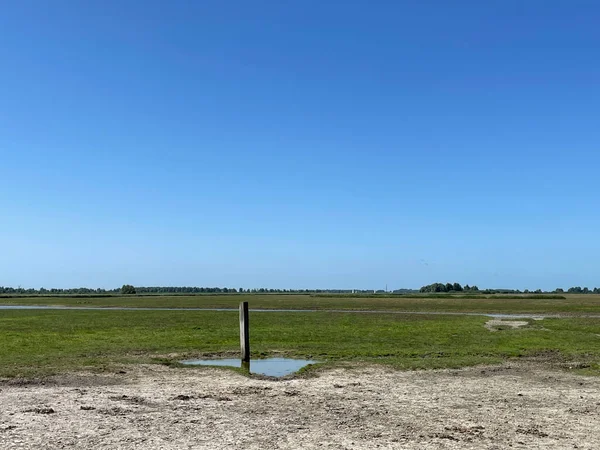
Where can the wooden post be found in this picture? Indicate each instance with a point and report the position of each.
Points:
(245, 366)
(244, 332)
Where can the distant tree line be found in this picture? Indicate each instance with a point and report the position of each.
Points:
(183, 290)
(456, 287)
(54, 291)
(580, 290)
(129, 289)
(125, 289)
(262, 290)
(448, 287)
(572, 290)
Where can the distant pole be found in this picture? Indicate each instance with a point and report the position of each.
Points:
(244, 332)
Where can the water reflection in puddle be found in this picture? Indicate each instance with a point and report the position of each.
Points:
(273, 367)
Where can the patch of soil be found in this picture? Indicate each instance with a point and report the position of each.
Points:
(73, 380)
(521, 404)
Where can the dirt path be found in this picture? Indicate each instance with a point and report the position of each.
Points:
(154, 407)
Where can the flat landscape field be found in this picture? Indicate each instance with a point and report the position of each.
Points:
(43, 342)
(111, 378)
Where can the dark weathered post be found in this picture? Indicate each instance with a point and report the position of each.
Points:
(244, 332)
(245, 366)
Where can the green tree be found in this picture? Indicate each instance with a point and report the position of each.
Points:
(128, 289)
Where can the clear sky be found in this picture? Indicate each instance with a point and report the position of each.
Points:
(300, 144)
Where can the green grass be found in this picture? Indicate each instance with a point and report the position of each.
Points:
(572, 304)
(38, 343)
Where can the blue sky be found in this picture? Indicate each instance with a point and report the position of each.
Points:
(338, 144)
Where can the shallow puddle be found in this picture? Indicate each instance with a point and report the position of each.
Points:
(273, 367)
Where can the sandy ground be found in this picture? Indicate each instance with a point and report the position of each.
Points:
(154, 407)
(495, 324)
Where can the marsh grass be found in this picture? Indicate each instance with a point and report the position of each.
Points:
(38, 342)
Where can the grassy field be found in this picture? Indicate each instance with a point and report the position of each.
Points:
(571, 304)
(37, 343)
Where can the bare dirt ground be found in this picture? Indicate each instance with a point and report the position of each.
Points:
(518, 405)
(496, 325)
